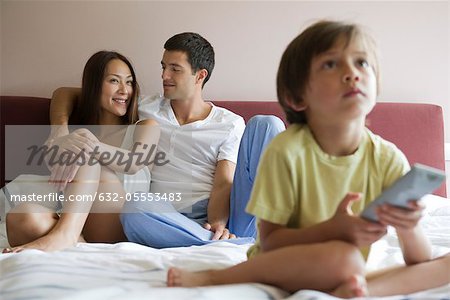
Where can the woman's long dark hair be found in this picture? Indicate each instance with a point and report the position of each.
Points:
(89, 104)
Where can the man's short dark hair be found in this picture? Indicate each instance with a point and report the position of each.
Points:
(199, 51)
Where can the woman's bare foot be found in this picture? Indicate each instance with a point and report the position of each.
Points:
(182, 278)
(355, 286)
(53, 241)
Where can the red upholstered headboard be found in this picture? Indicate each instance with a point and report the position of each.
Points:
(417, 129)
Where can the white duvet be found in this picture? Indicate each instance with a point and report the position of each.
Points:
(131, 271)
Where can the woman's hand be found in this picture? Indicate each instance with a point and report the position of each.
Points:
(72, 151)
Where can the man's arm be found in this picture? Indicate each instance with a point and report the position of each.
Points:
(219, 201)
(62, 104)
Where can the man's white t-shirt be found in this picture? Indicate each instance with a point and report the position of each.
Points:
(192, 150)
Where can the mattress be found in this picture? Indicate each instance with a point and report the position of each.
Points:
(132, 271)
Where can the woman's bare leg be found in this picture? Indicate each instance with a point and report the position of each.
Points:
(103, 223)
(43, 231)
(28, 222)
(410, 279)
(324, 267)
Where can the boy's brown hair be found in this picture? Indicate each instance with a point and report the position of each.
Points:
(295, 65)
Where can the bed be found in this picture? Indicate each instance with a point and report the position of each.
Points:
(127, 270)
(132, 271)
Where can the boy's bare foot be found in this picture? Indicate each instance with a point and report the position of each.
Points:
(355, 286)
(182, 278)
(50, 242)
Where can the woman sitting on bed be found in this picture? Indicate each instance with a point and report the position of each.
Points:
(109, 97)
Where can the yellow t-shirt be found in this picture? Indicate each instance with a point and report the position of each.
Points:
(298, 185)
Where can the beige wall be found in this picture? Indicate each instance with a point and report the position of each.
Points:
(44, 44)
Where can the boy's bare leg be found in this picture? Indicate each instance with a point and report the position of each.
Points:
(355, 286)
(324, 267)
(410, 279)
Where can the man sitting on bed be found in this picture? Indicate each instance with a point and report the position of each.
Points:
(189, 203)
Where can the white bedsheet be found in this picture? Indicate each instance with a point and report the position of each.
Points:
(127, 270)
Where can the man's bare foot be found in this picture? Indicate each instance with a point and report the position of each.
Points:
(355, 286)
(182, 278)
(50, 242)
